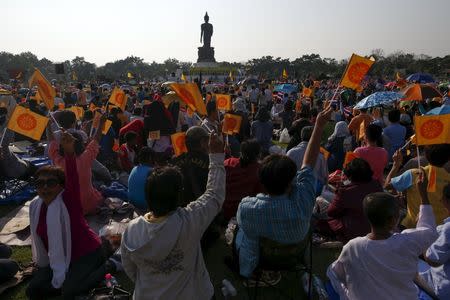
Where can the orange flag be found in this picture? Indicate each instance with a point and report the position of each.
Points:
(432, 129)
(307, 92)
(432, 180)
(179, 143)
(325, 153)
(96, 123)
(118, 98)
(190, 94)
(28, 123)
(45, 89)
(231, 124)
(355, 71)
(78, 111)
(223, 102)
(349, 156)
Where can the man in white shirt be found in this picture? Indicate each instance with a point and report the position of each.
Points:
(383, 265)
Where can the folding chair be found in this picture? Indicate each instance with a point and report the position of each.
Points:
(295, 258)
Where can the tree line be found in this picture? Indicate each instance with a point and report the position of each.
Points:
(267, 67)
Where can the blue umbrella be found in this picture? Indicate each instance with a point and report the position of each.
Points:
(379, 98)
(420, 78)
(286, 88)
(442, 110)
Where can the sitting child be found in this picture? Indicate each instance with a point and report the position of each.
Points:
(383, 264)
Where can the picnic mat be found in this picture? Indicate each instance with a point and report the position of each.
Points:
(15, 226)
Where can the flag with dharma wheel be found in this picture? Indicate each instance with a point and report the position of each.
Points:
(28, 123)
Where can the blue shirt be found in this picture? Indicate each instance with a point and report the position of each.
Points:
(396, 134)
(283, 219)
(136, 186)
(439, 252)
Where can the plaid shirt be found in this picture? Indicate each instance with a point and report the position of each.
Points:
(284, 219)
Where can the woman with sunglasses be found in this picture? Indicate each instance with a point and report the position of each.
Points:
(67, 252)
(85, 156)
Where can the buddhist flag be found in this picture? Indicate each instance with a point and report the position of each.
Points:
(78, 111)
(231, 124)
(231, 75)
(357, 68)
(28, 123)
(183, 78)
(106, 126)
(129, 75)
(285, 74)
(74, 76)
(223, 102)
(179, 143)
(431, 180)
(362, 131)
(45, 89)
(118, 98)
(325, 153)
(190, 94)
(349, 156)
(432, 129)
(307, 92)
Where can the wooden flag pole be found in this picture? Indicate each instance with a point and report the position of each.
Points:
(418, 154)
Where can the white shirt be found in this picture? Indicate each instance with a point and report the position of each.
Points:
(383, 269)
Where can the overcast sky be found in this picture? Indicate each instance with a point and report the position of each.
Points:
(104, 31)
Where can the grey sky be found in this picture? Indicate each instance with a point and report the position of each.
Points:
(104, 31)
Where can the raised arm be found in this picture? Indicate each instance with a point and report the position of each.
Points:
(313, 148)
(397, 159)
(72, 186)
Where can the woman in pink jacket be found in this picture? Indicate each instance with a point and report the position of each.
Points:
(90, 197)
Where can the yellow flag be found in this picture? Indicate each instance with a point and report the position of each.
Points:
(231, 124)
(45, 89)
(190, 94)
(179, 143)
(129, 75)
(357, 68)
(307, 92)
(223, 102)
(74, 76)
(431, 188)
(183, 77)
(231, 75)
(285, 74)
(28, 123)
(432, 129)
(78, 111)
(118, 98)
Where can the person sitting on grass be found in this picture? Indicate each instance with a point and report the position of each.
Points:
(383, 264)
(138, 177)
(284, 213)
(8, 267)
(85, 156)
(437, 156)
(67, 252)
(346, 217)
(127, 152)
(438, 255)
(161, 250)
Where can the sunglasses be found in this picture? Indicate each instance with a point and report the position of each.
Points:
(51, 183)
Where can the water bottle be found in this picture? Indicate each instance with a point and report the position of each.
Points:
(110, 281)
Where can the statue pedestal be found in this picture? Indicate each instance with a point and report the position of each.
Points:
(206, 55)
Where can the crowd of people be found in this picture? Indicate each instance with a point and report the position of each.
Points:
(393, 228)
